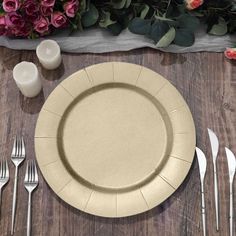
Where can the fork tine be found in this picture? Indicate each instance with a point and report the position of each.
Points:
(22, 146)
(31, 171)
(17, 146)
(4, 168)
(7, 169)
(1, 168)
(14, 149)
(36, 172)
(27, 172)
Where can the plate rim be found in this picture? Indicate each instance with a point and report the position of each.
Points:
(145, 205)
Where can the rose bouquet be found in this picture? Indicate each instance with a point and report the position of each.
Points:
(34, 18)
(164, 21)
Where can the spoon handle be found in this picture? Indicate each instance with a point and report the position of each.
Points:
(203, 211)
(231, 209)
(216, 198)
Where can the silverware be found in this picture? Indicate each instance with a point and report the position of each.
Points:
(4, 177)
(31, 182)
(232, 168)
(215, 148)
(17, 157)
(202, 168)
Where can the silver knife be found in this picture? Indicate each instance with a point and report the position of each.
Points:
(214, 149)
(232, 167)
(202, 168)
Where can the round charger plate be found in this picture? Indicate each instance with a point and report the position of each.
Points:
(115, 139)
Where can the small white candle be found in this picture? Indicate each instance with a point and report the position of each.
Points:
(49, 54)
(27, 78)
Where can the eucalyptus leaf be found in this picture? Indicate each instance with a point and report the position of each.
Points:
(127, 4)
(184, 37)
(233, 8)
(163, 18)
(90, 17)
(106, 20)
(140, 26)
(144, 11)
(188, 22)
(220, 28)
(167, 39)
(158, 30)
(118, 4)
(115, 29)
(83, 5)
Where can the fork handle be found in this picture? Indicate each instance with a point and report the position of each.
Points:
(29, 215)
(14, 201)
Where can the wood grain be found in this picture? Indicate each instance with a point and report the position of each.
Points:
(208, 83)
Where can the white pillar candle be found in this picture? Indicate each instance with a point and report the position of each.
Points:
(27, 78)
(49, 54)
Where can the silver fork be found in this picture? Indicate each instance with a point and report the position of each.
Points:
(31, 182)
(17, 157)
(4, 177)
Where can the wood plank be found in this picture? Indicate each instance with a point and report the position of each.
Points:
(208, 83)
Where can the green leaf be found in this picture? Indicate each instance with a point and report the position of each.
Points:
(144, 11)
(82, 6)
(158, 30)
(115, 29)
(220, 28)
(233, 8)
(90, 17)
(127, 4)
(118, 4)
(163, 18)
(188, 22)
(140, 26)
(106, 19)
(184, 37)
(167, 39)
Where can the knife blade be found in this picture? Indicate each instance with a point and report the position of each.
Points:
(214, 143)
(232, 167)
(231, 163)
(214, 149)
(202, 168)
(201, 162)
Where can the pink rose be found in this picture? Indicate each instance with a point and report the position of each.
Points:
(13, 19)
(48, 3)
(31, 7)
(22, 32)
(10, 5)
(230, 53)
(193, 4)
(41, 25)
(3, 28)
(71, 8)
(46, 11)
(58, 19)
(33, 18)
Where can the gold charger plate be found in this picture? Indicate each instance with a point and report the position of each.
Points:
(115, 139)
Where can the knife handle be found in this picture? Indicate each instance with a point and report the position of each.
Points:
(203, 211)
(231, 209)
(216, 198)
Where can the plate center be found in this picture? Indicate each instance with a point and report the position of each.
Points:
(115, 137)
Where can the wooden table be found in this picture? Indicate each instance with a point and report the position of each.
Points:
(208, 83)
